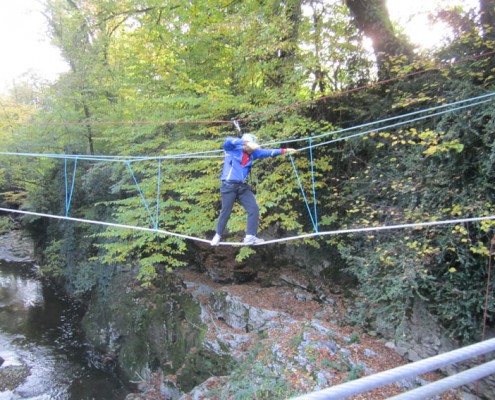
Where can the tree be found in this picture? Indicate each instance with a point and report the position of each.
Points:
(487, 17)
(372, 18)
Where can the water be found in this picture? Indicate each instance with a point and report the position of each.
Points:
(39, 327)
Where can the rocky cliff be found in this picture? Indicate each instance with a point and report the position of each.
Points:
(222, 330)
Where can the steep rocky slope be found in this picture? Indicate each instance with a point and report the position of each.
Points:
(281, 339)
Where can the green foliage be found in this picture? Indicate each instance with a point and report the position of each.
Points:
(436, 172)
(155, 67)
(54, 262)
(5, 224)
(354, 338)
(254, 379)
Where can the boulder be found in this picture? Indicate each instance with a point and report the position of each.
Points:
(240, 315)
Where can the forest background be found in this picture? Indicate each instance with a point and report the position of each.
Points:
(160, 78)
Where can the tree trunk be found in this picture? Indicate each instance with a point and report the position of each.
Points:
(487, 18)
(87, 114)
(487, 10)
(372, 18)
(285, 55)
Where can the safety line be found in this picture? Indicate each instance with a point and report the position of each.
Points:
(273, 241)
(388, 119)
(120, 159)
(485, 98)
(145, 203)
(270, 112)
(68, 195)
(395, 125)
(315, 226)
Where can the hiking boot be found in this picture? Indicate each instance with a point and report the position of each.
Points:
(252, 240)
(216, 240)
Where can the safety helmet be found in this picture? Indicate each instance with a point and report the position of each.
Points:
(249, 137)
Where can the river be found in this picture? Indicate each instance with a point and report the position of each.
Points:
(39, 328)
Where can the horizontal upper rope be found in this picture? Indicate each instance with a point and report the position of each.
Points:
(402, 119)
(416, 225)
(270, 112)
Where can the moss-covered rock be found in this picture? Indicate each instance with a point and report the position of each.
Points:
(152, 328)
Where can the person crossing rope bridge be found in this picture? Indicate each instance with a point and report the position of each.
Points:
(239, 156)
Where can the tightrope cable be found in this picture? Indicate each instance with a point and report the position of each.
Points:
(416, 225)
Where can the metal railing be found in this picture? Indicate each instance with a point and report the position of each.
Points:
(384, 378)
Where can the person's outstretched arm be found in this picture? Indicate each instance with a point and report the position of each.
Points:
(264, 153)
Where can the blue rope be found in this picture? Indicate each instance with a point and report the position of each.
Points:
(66, 186)
(219, 153)
(303, 193)
(392, 125)
(455, 103)
(313, 183)
(68, 195)
(158, 192)
(141, 194)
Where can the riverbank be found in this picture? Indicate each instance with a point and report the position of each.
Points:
(43, 348)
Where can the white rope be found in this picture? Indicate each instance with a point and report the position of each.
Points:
(382, 228)
(273, 241)
(89, 221)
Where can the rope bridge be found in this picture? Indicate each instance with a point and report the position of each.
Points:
(308, 144)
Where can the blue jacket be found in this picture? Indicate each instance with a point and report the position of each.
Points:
(237, 163)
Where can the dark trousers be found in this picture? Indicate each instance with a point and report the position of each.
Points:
(238, 191)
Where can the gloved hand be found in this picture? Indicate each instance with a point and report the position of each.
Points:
(291, 151)
(251, 146)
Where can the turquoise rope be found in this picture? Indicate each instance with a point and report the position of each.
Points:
(68, 195)
(392, 125)
(352, 128)
(313, 184)
(66, 186)
(158, 193)
(213, 153)
(141, 194)
(303, 193)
